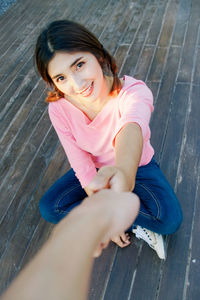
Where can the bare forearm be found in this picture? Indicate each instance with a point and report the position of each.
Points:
(128, 151)
(61, 270)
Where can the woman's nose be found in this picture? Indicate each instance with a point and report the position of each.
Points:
(77, 83)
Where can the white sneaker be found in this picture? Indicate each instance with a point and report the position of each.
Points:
(154, 240)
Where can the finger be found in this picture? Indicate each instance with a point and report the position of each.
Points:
(124, 237)
(99, 182)
(119, 242)
(102, 178)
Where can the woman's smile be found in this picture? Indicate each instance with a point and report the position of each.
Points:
(88, 91)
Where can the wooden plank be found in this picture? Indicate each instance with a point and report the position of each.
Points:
(94, 13)
(9, 47)
(9, 18)
(188, 172)
(162, 108)
(25, 189)
(156, 25)
(17, 101)
(158, 64)
(123, 272)
(120, 56)
(147, 275)
(83, 9)
(144, 62)
(131, 60)
(138, 10)
(117, 23)
(192, 289)
(196, 78)
(173, 139)
(169, 23)
(143, 31)
(104, 17)
(101, 272)
(19, 120)
(198, 39)
(15, 72)
(187, 61)
(23, 134)
(7, 14)
(58, 166)
(138, 41)
(181, 22)
(28, 151)
(15, 33)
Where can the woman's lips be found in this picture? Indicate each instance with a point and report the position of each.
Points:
(88, 91)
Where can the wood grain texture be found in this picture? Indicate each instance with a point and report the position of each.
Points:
(157, 41)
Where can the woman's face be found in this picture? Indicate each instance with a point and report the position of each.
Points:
(78, 75)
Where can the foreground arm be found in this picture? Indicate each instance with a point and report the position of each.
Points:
(61, 270)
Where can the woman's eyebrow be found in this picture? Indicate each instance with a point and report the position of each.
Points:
(54, 77)
(76, 61)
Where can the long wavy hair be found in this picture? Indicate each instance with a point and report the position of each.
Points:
(68, 36)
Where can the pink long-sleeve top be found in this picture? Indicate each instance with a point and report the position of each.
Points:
(90, 144)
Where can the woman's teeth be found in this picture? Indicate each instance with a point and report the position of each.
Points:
(87, 91)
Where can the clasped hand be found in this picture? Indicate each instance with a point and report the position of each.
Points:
(111, 177)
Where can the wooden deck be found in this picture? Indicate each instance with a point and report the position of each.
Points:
(157, 41)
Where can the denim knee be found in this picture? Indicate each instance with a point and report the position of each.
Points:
(171, 223)
(46, 211)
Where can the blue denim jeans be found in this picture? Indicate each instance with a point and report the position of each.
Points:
(160, 210)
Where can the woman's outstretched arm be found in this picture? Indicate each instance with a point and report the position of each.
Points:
(128, 151)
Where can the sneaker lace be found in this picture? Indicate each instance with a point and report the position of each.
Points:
(146, 235)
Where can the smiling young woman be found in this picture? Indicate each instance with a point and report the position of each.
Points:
(103, 125)
(70, 37)
(79, 77)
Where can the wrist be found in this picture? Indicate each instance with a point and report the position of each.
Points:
(128, 177)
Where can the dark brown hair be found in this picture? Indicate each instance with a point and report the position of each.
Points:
(68, 36)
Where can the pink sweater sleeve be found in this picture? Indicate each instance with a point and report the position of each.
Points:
(80, 160)
(136, 105)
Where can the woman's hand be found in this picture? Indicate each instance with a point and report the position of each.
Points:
(109, 177)
(122, 240)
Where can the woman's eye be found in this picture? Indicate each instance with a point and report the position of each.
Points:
(79, 65)
(61, 78)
